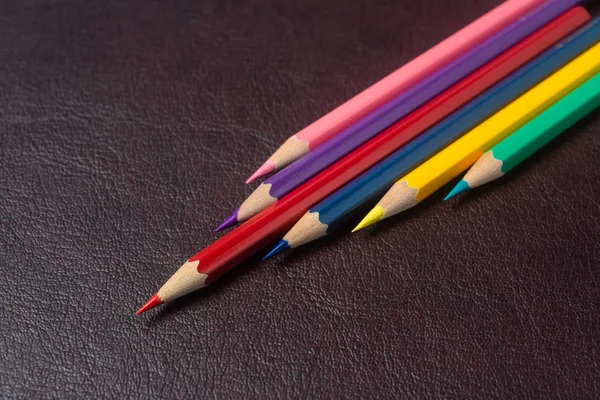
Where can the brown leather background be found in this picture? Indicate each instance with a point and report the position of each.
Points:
(126, 131)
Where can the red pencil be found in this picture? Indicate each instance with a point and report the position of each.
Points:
(227, 252)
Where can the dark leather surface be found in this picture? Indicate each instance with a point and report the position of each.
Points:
(127, 129)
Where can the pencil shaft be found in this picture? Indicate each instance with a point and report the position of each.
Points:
(518, 146)
(336, 207)
(398, 81)
(294, 175)
(454, 159)
(445, 165)
(414, 71)
(557, 119)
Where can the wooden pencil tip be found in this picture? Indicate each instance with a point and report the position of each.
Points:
(229, 222)
(268, 167)
(372, 217)
(154, 301)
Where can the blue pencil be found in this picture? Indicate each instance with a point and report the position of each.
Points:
(323, 218)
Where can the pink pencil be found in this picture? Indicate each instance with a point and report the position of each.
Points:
(389, 87)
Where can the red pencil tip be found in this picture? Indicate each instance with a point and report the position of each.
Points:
(268, 167)
(150, 304)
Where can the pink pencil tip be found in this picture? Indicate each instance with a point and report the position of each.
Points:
(266, 168)
(150, 304)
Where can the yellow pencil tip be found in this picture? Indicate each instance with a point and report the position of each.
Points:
(372, 217)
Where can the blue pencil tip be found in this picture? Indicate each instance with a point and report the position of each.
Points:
(460, 187)
(280, 247)
(230, 221)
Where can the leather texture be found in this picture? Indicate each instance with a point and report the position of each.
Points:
(127, 130)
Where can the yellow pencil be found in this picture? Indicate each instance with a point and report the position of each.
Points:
(460, 155)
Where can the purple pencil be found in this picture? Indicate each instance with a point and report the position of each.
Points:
(355, 135)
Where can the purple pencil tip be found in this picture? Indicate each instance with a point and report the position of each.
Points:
(229, 222)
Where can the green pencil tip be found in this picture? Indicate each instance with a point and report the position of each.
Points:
(460, 187)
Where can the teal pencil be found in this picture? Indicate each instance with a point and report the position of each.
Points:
(519, 146)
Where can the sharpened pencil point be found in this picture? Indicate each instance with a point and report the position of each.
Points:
(229, 222)
(461, 187)
(150, 304)
(280, 247)
(266, 168)
(373, 216)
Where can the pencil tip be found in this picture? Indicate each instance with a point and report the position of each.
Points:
(373, 216)
(150, 304)
(461, 187)
(280, 247)
(229, 222)
(266, 168)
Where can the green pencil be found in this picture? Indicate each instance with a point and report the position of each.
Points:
(516, 148)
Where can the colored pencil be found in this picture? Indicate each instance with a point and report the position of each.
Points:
(227, 252)
(454, 159)
(516, 148)
(383, 91)
(286, 180)
(326, 216)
